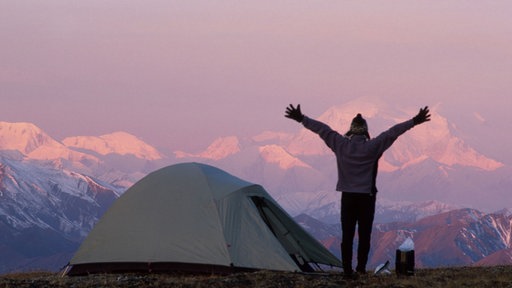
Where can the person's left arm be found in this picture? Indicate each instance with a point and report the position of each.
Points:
(387, 138)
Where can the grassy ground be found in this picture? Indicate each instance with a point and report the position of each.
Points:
(499, 276)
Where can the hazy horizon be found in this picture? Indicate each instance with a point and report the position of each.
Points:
(179, 74)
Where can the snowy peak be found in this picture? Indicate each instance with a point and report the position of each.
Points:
(339, 118)
(392, 211)
(27, 188)
(45, 213)
(277, 155)
(26, 142)
(435, 140)
(35, 144)
(121, 143)
(271, 153)
(219, 149)
(459, 237)
(23, 137)
(269, 137)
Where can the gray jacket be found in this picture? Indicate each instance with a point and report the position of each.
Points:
(356, 156)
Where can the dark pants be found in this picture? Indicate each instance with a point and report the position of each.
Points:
(356, 208)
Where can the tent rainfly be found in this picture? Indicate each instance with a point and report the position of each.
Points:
(193, 217)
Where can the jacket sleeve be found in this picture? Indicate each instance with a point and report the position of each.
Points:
(331, 137)
(387, 138)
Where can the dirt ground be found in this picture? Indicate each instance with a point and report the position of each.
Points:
(499, 276)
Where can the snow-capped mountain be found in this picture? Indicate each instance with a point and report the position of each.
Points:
(460, 237)
(50, 197)
(327, 210)
(23, 137)
(429, 162)
(455, 238)
(45, 213)
(403, 211)
(33, 143)
(219, 149)
(120, 143)
(54, 191)
(433, 140)
(118, 158)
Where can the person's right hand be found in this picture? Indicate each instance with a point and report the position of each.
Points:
(423, 116)
(294, 113)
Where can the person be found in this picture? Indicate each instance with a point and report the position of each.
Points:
(357, 157)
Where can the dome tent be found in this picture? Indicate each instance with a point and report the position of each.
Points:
(195, 217)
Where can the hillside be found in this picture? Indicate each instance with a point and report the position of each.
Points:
(497, 276)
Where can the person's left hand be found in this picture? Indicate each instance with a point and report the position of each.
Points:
(423, 116)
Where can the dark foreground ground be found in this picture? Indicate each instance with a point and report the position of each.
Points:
(499, 276)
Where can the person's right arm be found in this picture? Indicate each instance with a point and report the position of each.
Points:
(331, 137)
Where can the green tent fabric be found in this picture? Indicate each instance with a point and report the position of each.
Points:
(196, 217)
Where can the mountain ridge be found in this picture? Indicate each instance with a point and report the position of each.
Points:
(429, 160)
(120, 142)
(34, 143)
(45, 213)
(417, 179)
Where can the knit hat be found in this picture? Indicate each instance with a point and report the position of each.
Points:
(359, 126)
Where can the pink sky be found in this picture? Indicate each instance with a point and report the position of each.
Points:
(179, 74)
